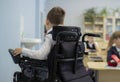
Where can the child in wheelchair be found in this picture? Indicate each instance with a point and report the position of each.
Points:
(60, 57)
(64, 62)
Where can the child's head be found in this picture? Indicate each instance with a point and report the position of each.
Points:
(55, 17)
(115, 39)
(90, 39)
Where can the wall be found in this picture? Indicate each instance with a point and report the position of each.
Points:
(12, 10)
(75, 8)
(39, 22)
(10, 23)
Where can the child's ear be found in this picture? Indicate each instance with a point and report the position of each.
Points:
(47, 22)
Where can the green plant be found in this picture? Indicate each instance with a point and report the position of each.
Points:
(116, 10)
(104, 12)
(89, 15)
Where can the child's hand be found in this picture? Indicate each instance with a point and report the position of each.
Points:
(17, 51)
(87, 50)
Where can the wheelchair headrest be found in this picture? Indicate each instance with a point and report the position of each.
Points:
(67, 36)
(69, 30)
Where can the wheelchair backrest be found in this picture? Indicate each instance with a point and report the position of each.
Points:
(67, 39)
(68, 49)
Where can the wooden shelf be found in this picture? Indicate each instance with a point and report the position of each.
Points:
(98, 31)
(108, 24)
(98, 23)
(88, 23)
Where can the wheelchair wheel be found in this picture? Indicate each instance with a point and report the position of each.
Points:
(17, 77)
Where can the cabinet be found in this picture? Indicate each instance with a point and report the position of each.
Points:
(112, 24)
(96, 26)
(104, 26)
(109, 23)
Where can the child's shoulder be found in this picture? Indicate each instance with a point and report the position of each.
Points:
(112, 48)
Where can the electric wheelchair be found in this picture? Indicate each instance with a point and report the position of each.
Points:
(64, 63)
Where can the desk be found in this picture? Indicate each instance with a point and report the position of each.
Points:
(102, 54)
(104, 74)
(86, 58)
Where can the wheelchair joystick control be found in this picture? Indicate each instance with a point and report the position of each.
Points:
(16, 59)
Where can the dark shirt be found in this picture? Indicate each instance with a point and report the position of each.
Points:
(112, 51)
(90, 47)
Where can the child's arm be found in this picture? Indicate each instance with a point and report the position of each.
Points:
(41, 54)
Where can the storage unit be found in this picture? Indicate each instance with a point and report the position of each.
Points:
(103, 25)
(97, 26)
(112, 24)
